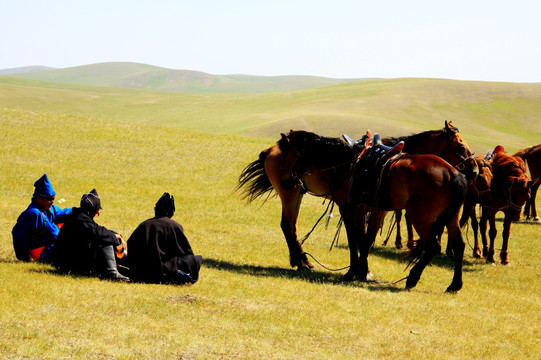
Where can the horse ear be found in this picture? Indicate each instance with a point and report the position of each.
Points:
(450, 127)
(284, 137)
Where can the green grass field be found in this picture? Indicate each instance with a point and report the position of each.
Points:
(133, 145)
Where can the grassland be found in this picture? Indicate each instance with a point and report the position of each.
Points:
(248, 303)
(484, 112)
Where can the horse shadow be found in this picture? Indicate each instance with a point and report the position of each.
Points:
(441, 260)
(312, 276)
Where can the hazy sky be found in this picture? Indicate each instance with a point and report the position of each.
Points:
(467, 40)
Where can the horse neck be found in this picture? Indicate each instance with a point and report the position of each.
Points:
(435, 144)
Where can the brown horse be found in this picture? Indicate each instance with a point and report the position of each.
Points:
(478, 193)
(532, 156)
(509, 190)
(425, 185)
(446, 143)
(432, 193)
(314, 164)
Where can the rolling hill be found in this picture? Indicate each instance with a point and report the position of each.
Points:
(142, 76)
(486, 113)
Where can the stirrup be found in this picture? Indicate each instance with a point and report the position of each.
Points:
(363, 141)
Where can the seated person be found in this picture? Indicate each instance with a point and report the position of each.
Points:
(86, 248)
(159, 250)
(36, 230)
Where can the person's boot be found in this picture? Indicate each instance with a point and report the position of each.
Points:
(109, 270)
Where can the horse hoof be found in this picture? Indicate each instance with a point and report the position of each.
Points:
(399, 246)
(349, 277)
(537, 219)
(506, 263)
(410, 284)
(453, 288)
(476, 255)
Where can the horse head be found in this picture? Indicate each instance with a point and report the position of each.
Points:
(458, 152)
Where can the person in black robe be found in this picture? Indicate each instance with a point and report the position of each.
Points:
(159, 252)
(85, 248)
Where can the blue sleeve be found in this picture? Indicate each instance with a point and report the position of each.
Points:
(60, 215)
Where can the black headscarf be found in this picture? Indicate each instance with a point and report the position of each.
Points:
(165, 206)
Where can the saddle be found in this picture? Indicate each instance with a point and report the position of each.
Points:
(371, 170)
(374, 147)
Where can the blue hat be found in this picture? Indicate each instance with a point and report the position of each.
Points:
(43, 187)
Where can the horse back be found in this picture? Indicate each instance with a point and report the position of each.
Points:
(422, 179)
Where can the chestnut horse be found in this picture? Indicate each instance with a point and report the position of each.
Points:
(448, 144)
(532, 156)
(425, 185)
(509, 190)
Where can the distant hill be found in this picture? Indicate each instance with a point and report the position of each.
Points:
(142, 76)
(23, 70)
(487, 113)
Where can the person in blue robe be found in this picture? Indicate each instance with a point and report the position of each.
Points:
(36, 230)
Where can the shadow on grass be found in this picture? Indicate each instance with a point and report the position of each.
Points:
(313, 276)
(441, 260)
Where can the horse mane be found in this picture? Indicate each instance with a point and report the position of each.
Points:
(523, 153)
(414, 138)
(318, 150)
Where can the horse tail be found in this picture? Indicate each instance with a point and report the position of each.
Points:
(457, 195)
(254, 178)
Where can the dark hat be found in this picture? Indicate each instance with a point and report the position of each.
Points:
(165, 205)
(91, 202)
(43, 187)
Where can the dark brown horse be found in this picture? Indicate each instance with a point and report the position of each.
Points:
(532, 156)
(432, 193)
(425, 185)
(509, 190)
(446, 143)
(478, 193)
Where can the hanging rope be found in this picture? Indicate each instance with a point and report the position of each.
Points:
(317, 222)
(323, 266)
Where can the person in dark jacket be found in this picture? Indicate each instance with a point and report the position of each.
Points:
(159, 252)
(83, 247)
(36, 230)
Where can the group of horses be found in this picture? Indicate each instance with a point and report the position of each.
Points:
(432, 178)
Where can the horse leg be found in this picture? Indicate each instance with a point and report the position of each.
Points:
(475, 228)
(533, 208)
(505, 234)
(527, 206)
(398, 239)
(354, 222)
(409, 227)
(483, 230)
(492, 232)
(291, 203)
(455, 237)
(374, 224)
